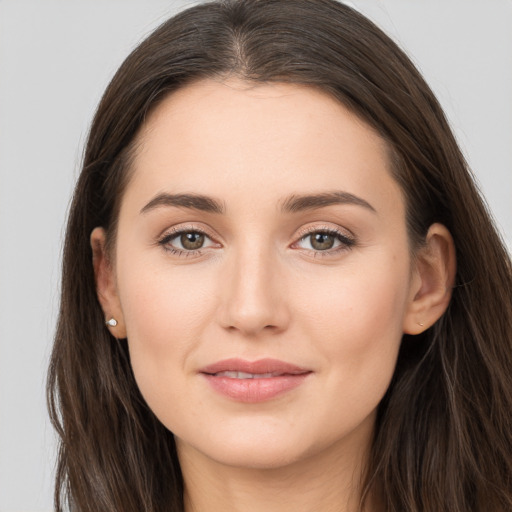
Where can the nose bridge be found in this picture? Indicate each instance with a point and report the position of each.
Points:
(252, 300)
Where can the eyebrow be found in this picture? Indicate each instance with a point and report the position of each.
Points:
(297, 203)
(292, 204)
(191, 201)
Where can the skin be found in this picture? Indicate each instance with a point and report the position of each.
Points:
(259, 288)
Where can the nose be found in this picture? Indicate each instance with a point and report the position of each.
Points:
(254, 295)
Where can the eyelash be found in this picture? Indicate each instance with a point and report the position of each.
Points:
(346, 242)
(176, 233)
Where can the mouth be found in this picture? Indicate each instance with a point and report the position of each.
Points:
(245, 375)
(254, 381)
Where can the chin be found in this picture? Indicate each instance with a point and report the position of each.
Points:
(252, 455)
(253, 448)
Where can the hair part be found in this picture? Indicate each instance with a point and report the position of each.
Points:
(444, 432)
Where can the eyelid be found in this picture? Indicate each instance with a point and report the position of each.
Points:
(175, 231)
(315, 228)
(347, 238)
(186, 227)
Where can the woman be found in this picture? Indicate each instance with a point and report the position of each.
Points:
(281, 289)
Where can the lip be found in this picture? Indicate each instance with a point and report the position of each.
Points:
(284, 378)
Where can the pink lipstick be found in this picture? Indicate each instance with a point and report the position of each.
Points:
(254, 381)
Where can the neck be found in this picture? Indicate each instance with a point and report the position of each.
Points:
(329, 481)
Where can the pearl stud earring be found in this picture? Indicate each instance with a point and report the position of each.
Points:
(112, 322)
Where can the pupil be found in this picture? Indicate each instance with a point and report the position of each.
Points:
(322, 241)
(192, 240)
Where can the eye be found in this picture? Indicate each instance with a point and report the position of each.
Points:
(321, 241)
(191, 241)
(325, 241)
(186, 241)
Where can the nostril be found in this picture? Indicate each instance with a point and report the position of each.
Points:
(251, 301)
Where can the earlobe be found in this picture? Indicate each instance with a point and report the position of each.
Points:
(106, 288)
(435, 269)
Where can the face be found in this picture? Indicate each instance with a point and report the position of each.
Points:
(262, 272)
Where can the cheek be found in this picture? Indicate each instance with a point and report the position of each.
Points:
(165, 303)
(355, 323)
(357, 316)
(165, 311)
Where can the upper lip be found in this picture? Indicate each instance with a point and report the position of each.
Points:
(261, 366)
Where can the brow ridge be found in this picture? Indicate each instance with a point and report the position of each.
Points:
(296, 203)
(191, 201)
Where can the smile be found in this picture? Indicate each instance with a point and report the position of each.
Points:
(245, 375)
(253, 381)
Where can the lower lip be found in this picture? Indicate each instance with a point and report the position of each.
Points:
(255, 390)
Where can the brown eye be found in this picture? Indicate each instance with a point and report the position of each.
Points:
(326, 241)
(322, 241)
(186, 242)
(192, 240)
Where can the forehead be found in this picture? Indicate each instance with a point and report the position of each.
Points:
(224, 138)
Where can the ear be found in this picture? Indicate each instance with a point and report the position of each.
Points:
(106, 287)
(433, 280)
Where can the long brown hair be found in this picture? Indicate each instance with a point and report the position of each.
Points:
(444, 430)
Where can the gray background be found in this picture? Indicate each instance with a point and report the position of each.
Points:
(56, 57)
